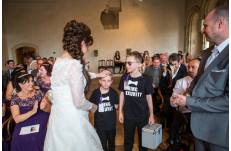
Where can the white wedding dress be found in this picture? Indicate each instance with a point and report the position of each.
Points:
(69, 128)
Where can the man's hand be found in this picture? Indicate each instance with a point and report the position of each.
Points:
(151, 120)
(180, 100)
(153, 85)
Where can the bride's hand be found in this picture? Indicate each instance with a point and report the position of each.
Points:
(94, 108)
(104, 73)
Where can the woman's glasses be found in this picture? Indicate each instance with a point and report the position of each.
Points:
(129, 63)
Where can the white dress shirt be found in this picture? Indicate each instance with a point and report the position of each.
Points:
(180, 88)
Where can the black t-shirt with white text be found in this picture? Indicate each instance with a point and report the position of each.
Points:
(105, 115)
(135, 91)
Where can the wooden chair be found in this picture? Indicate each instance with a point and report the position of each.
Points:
(109, 64)
(8, 123)
(101, 65)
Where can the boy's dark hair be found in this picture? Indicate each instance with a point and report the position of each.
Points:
(136, 55)
(180, 51)
(10, 61)
(174, 57)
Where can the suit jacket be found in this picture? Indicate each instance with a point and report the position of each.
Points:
(165, 80)
(150, 72)
(5, 79)
(209, 101)
(34, 72)
(183, 67)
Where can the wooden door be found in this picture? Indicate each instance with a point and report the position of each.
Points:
(20, 56)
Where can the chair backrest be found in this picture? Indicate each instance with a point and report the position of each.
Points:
(8, 124)
(101, 63)
(109, 62)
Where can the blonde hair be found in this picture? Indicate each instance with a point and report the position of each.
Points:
(52, 60)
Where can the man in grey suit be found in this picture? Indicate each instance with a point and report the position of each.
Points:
(155, 72)
(208, 94)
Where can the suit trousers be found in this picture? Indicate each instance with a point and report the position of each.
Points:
(154, 101)
(201, 145)
(107, 135)
(130, 126)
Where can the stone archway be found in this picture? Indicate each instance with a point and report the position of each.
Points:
(16, 47)
(192, 38)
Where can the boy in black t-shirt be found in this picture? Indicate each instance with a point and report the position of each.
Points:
(105, 116)
(136, 89)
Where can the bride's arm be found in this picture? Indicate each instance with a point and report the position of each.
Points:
(76, 82)
(104, 73)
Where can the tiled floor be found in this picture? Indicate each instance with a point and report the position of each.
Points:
(119, 126)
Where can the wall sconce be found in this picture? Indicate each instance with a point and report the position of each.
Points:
(129, 50)
(95, 53)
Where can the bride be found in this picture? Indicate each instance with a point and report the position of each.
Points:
(69, 128)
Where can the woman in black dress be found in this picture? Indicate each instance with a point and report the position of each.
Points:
(118, 62)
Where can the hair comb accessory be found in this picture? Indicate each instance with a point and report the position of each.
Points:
(23, 75)
(19, 69)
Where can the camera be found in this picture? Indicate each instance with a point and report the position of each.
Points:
(168, 66)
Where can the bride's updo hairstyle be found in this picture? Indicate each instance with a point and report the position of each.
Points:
(74, 33)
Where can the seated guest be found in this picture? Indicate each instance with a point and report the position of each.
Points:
(182, 85)
(182, 66)
(44, 59)
(35, 73)
(51, 61)
(27, 66)
(43, 82)
(11, 88)
(5, 145)
(142, 55)
(29, 110)
(11, 85)
(155, 72)
(146, 53)
(118, 62)
(33, 66)
(147, 62)
(7, 74)
(168, 81)
(7, 67)
(38, 57)
(164, 60)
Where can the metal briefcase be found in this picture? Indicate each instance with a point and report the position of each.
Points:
(152, 136)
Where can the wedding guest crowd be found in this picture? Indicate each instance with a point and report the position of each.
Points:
(195, 90)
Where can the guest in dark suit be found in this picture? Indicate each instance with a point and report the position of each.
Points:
(7, 74)
(168, 81)
(155, 72)
(182, 66)
(208, 94)
(35, 73)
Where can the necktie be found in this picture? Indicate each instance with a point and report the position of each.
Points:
(212, 57)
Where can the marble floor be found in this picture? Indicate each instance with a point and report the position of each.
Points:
(119, 126)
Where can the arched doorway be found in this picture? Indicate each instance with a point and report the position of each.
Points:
(23, 53)
(23, 50)
(193, 35)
